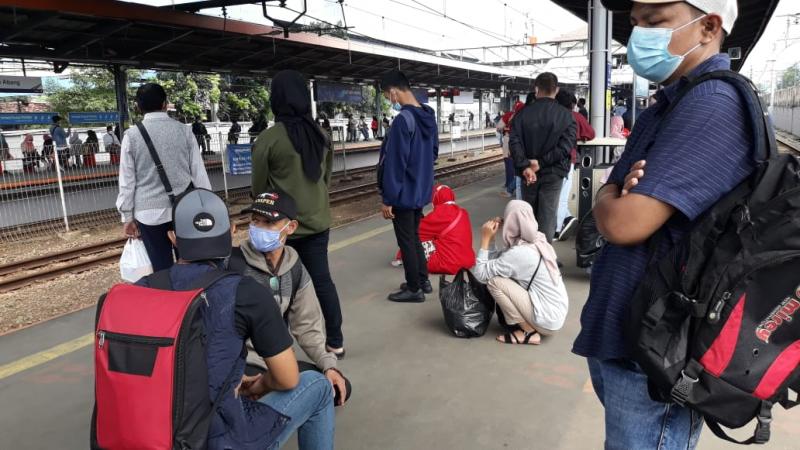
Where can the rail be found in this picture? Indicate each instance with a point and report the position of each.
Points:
(23, 273)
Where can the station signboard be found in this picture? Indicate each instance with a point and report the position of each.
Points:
(338, 92)
(240, 159)
(93, 117)
(464, 98)
(26, 118)
(14, 85)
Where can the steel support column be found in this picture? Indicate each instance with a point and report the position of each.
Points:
(313, 99)
(599, 66)
(121, 91)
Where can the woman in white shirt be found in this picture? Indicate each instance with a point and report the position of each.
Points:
(524, 278)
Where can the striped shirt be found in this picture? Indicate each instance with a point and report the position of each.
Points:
(702, 152)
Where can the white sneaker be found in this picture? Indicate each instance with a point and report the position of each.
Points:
(397, 263)
(570, 224)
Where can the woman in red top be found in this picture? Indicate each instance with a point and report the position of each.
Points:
(446, 235)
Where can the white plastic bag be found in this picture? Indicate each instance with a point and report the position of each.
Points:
(134, 262)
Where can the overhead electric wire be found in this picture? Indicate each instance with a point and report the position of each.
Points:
(428, 10)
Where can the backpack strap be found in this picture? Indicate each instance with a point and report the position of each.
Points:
(535, 272)
(162, 174)
(297, 273)
(761, 434)
(160, 280)
(411, 123)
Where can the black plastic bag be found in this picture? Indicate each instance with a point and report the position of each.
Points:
(466, 304)
(588, 241)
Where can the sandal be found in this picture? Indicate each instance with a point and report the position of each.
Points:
(526, 337)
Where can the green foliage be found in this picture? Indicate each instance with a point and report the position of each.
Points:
(90, 89)
(791, 77)
(191, 94)
(244, 99)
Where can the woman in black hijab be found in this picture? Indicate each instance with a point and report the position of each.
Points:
(290, 101)
(295, 157)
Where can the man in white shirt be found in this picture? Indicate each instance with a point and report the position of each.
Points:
(143, 201)
(110, 140)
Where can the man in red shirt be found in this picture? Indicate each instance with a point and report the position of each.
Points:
(446, 235)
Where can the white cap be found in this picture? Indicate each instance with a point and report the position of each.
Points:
(727, 9)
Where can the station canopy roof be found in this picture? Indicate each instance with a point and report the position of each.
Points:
(753, 18)
(115, 32)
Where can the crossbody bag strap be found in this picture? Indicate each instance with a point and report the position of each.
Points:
(452, 224)
(535, 272)
(162, 174)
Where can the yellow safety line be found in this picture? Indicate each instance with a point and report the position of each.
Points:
(44, 356)
(68, 347)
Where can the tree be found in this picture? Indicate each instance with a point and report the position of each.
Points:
(791, 77)
(89, 89)
(192, 94)
(244, 98)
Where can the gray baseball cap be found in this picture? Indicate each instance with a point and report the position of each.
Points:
(202, 226)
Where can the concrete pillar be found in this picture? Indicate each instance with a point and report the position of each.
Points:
(313, 100)
(599, 66)
(121, 93)
(378, 102)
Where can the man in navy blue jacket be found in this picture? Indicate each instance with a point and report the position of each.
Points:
(406, 179)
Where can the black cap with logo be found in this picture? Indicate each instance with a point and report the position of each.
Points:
(274, 205)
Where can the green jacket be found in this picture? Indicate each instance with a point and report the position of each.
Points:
(277, 165)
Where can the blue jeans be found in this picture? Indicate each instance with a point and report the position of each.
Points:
(510, 183)
(310, 407)
(633, 420)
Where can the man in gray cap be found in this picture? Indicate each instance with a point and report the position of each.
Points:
(233, 313)
(694, 156)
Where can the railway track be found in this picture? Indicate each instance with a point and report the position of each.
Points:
(29, 271)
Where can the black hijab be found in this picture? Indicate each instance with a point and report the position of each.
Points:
(291, 103)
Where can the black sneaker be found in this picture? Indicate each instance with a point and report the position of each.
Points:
(406, 296)
(570, 223)
(425, 285)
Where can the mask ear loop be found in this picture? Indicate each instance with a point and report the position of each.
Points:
(686, 25)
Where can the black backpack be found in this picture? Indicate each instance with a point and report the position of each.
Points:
(714, 322)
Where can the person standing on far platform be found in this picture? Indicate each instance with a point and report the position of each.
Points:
(142, 201)
(295, 156)
(542, 136)
(471, 121)
(405, 179)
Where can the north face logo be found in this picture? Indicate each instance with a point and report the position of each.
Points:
(782, 313)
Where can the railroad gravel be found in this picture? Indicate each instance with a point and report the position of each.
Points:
(72, 292)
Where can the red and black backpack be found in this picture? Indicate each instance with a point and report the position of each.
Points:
(715, 324)
(151, 375)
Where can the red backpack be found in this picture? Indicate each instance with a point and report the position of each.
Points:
(151, 377)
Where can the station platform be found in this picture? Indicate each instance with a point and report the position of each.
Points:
(415, 386)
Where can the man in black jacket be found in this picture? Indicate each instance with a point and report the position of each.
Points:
(541, 137)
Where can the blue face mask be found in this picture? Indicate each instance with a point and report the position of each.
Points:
(265, 240)
(648, 52)
(397, 106)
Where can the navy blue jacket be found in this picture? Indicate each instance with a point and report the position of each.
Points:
(407, 159)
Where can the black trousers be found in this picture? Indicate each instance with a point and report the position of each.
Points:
(406, 230)
(313, 251)
(543, 197)
(158, 246)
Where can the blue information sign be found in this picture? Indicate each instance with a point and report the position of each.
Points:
(240, 160)
(26, 118)
(93, 117)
